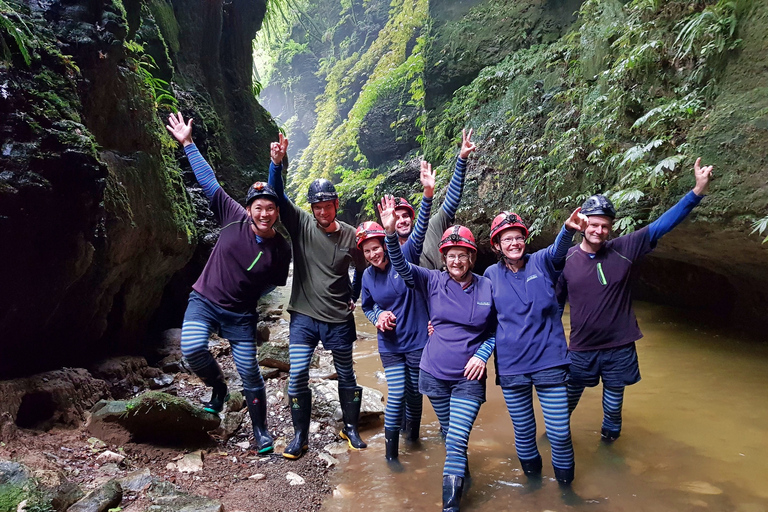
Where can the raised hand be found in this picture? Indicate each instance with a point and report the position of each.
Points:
(181, 132)
(467, 146)
(387, 213)
(277, 150)
(703, 175)
(427, 178)
(577, 221)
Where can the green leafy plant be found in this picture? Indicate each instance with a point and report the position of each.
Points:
(12, 25)
(760, 226)
(145, 65)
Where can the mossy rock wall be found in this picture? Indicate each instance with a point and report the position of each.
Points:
(94, 209)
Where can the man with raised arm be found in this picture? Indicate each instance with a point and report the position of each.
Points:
(249, 259)
(597, 283)
(322, 300)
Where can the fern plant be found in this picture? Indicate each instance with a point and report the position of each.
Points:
(12, 25)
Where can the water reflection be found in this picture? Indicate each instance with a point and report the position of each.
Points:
(694, 438)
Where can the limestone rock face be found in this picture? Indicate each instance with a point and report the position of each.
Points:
(94, 212)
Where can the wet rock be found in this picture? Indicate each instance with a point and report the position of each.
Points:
(326, 401)
(13, 473)
(257, 477)
(294, 479)
(42, 400)
(125, 374)
(337, 448)
(701, 488)
(108, 456)
(162, 381)
(262, 332)
(219, 346)
(136, 481)
(166, 497)
(230, 424)
(154, 417)
(66, 495)
(328, 459)
(275, 355)
(236, 401)
(191, 462)
(101, 499)
(269, 373)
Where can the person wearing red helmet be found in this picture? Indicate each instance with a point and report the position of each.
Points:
(249, 260)
(321, 302)
(597, 283)
(530, 342)
(427, 232)
(453, 363)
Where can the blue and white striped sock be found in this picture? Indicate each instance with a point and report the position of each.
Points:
(194, 344)
(463, 415)
(613, 400)
(244, 353)
(342, 360)
(554, 405)
(413, 399)
(442, 407)
(574, 395)
(300, 357)
(519, 402)
(395, 396)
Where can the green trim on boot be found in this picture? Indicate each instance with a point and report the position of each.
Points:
(257, 409)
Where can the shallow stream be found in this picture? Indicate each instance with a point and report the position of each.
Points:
(695, 437)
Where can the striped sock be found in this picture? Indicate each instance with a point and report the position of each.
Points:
(520, 406)
(414, 401)
(613, 399)
(300, 357)
(574, 395)
(342, 360)
(554, 405)
(442, 407)
(395, 394)
(194, 344)
(463, 414)
(244, 353)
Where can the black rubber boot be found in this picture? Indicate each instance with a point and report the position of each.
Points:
(351, 400)
(391, 444)
(411, 432)
(212, 376)
(564, 476)
(531, 467)
(452, 489)
(301, 412)
(257, 408)
(609, 436)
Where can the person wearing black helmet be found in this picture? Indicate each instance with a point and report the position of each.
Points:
(322, 301)
(249, 260)
(596, 281)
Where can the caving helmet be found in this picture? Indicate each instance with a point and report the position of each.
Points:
(258, 190)
(321, 190)
(506, 220)
(598, 204)
(402, 203)
(457, 236)
(367, 231)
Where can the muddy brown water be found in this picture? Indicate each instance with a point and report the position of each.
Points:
(695, 437)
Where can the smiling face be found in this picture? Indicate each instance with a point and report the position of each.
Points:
(264, 213)
(373, 250)
(325, 212)
(598, 230)
(458, 262)
(511, 243)
(403, 222)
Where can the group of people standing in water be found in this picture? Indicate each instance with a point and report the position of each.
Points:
(438, 322)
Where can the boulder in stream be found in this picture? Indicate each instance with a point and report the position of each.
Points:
(325, 401)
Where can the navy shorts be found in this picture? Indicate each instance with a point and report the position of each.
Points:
(305, 330)
(227, 324)
(463, 388)
(412, 358)
(550, 377)
(617, 367)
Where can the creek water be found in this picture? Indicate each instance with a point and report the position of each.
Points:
(695, 437)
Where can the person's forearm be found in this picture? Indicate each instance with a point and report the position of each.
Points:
(455, 189)
(486, 349)
(422, 223)
(203, 172)
(275, 181)
(559, 249)
(357, 285)
(673, 216)
(401, 266)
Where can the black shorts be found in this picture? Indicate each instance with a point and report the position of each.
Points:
(550, 377)
(412, 358)
(617, 367)
(463, 388)
(305, 330)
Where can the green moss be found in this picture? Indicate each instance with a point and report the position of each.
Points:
(10, 497)
(166, 22)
